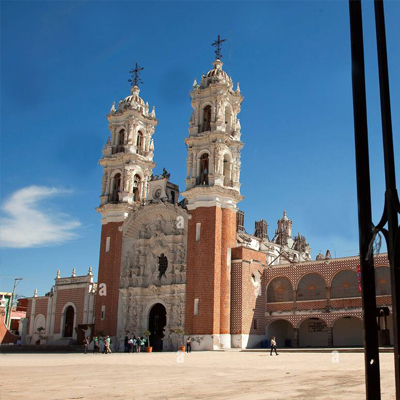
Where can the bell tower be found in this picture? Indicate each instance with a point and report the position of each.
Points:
(127, 169)
(212, 193)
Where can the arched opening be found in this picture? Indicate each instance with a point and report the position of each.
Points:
(116, 187)
(40, 322)
(283, 332)
(313, 332)
(204, 169)
(345, 284)
(139, 143)
(207, 119)
(136, 187)
(311, 287)
(228, 119)
(121, 141)
(382, 281)
(69, 321)
(162, 265)
(279, 290)
(157, 322)
(348, 331)
(227, 171)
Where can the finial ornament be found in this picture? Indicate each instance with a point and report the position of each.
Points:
(90, 271)
(35, 293)
(113, 107)
(238, 87)
(73, 273)
(135, 75)
(217, 44)
(195, 82)
(58, 274)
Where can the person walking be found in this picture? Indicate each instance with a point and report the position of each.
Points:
(95, 345)
(130, 345)
(107, 345)
(188, 345)
(134, 345)
(142, 343)
(273, 346)
(138, 344)
(126, 344)
(85, 344)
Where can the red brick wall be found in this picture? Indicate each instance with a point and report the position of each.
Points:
(236, 296)
(41, 306)
(109, 273)
(76, 296)
(248, 301)
(203, 277)
(228, 240)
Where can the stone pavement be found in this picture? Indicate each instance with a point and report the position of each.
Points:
(199, 375)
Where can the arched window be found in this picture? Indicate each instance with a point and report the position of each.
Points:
(280, 289)
(345, 284)
(121, 141)
(139, 143)
(204, 170)
(207, 119)
(69, 321)
(116, 187)
(382, 281)
(162, 265)
(311, 287)
(136, 187)
(227, 171)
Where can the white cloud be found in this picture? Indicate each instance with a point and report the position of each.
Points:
(29, 224)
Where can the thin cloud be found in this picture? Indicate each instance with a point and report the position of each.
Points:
(29, 224)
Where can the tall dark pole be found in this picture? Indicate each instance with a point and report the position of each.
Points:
(392, 207)
(366, 227)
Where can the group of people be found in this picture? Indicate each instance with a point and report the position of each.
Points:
(134, 344)
(98, 342)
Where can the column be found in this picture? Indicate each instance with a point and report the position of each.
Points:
(330, 336)
(296, 337)
(328, 298)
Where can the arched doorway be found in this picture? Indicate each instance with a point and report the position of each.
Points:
(348, 331)
(313, 332)
(69, 321)
(157, 322)
(283, 332)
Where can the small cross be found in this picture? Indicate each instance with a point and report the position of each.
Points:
(217, 43)
(135, 75)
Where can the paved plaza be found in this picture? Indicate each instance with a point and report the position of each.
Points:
(200, 375)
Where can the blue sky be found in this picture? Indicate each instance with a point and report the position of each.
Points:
(64, 63)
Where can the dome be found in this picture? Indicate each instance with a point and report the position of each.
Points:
(217, 74)
(134, 96)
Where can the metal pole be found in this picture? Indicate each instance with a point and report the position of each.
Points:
(366, 227)
(8, 322)
(391, 197)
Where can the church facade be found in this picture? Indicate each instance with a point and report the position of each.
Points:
(188, 267)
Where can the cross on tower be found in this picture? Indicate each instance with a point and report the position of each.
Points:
(217, 43)
(135, 75)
